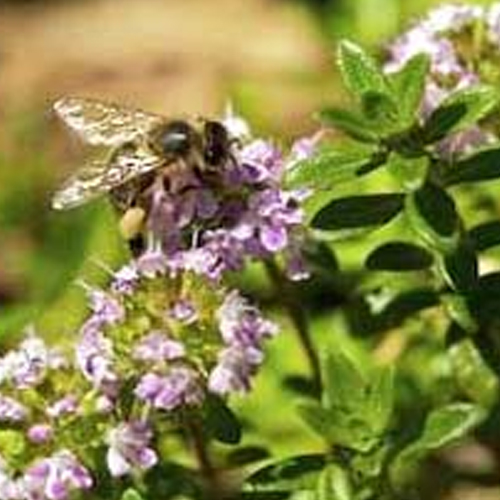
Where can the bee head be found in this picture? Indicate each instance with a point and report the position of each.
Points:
(217, 143)
(176, 138)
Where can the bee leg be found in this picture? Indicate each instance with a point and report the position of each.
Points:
(137, 245)
(131, 228)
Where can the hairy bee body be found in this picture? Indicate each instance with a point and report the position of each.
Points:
(145, 148)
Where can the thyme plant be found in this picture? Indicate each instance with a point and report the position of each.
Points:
(406, 181)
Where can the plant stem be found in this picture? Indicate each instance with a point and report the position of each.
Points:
(207, 470)
(298, 317)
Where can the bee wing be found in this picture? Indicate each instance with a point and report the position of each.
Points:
(106, 124)
(101, 177)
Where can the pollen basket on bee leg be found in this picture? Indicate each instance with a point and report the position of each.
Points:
(132, 222)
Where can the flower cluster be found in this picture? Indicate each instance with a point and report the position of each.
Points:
(163, 337)
(212, 222)
(147, 349)
(38, 397)
(177, 338)
(463, 44)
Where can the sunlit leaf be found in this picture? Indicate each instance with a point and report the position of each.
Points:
(360, 71)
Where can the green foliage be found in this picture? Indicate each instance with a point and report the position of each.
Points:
(459, 111)
(355, 409)
(442, 427)
(376, 449)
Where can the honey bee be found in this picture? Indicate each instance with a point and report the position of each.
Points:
(143, 147)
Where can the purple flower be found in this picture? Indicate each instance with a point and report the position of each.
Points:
(296, 268)
(156, 346)
(28, 365)
(419, 40)
(55, 478)
(167, 392)
(106, 308)
(450, 67)
(152, 263)
(67, 405)
(10, 488)
(184, 311)
(237, 364)
(129, 448)
(302, 149)
(11, 410)
(94, 357)
(125, 280)
(258, 162)
(241, 323)
(452, 18)
(40, 433)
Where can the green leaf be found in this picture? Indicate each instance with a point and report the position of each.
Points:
(460, 267)
(320, 256)
(405, 305)
(355, 410)
(481, 166)
(448, 424)
(334, 484)
(322, 421)
(442, 427)
(380, 400)
(399, 256)
(221, 422)
(358, 211)
(458, 309)
(380, 110)
(172, 481)
(344, 384)
(485, 235)
(350, 123)
(409, 85)
(411, 173)
(474, 377)
(432, 213)
(331, 166)
(459, 111)
(485, 301)
(247, 455)
(360, 72)
(287, 476)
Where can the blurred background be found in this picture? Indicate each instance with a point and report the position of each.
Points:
(273, 59)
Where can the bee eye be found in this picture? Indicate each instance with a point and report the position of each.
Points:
(216, 143)
(176, 139)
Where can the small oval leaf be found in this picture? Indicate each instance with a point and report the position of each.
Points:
(485, 235)
(399, 256)
(358, 211)
(433, 215)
